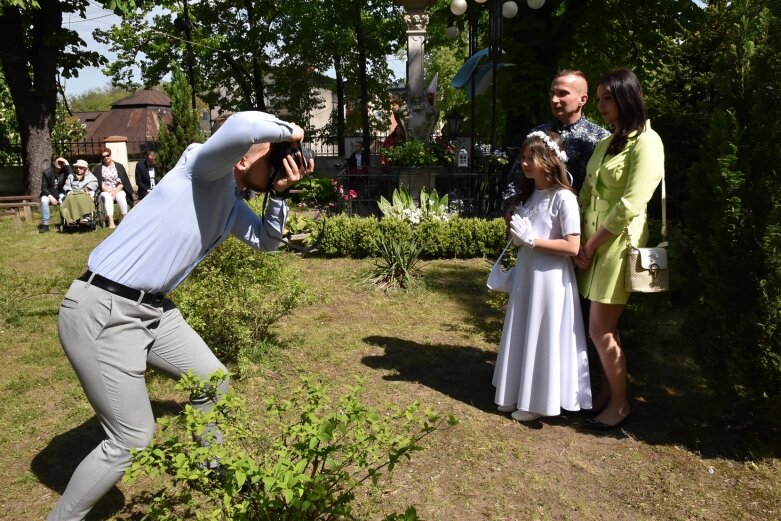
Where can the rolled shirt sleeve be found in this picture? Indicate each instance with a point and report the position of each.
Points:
(262, 234)
(217, 156)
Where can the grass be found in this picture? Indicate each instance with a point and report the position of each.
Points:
(679, 457)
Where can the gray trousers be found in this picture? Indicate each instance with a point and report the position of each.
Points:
(110, 341)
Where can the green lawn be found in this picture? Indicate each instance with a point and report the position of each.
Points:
(680, 456)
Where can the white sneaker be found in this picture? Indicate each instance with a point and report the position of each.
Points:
(524, 416)
(506, 408)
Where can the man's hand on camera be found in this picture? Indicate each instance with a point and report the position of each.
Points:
(292, 172)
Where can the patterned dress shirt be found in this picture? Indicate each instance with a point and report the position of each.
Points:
(579, 140)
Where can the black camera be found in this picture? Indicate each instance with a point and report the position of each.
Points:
(279, 151)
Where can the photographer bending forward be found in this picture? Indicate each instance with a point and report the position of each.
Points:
(115, 320)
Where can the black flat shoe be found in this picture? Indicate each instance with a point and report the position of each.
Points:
(592, 424)
(589, 413)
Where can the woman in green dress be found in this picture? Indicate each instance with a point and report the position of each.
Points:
(621, 176)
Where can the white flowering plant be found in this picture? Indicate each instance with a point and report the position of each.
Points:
(404, 208)
(500, 157)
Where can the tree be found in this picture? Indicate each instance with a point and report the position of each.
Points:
(721, 87)
(35, 46)
(67, 129)
(184, 128)
(593, 36)
(9, 127)
(97, 100)
(262, 55)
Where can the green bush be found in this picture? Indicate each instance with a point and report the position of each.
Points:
(234, 297)
(310, 469)
(359, 237)
(419, 153)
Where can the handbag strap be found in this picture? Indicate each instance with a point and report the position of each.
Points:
(664, 243)
(664, 211)
(499, 259)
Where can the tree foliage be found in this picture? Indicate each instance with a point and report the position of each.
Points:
(97, 100)
(593, 36)
(36, 47)
(260, 55)
(184, 128)
(724, 81)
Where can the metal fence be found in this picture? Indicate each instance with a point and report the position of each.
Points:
(89, 150)
(471, 193)
(475, 192)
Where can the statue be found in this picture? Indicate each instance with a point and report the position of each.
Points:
(417, 118)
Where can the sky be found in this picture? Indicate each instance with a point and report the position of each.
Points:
(96, 18)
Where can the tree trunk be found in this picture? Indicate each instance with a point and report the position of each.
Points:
(29, 61)
(362, 77)
(258, 85)
(340, 124)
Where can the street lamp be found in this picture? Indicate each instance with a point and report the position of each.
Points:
(454, 122)
(497, 9)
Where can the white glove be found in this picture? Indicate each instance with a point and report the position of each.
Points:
(521, 231)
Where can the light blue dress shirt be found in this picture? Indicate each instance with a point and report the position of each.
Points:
(192, 210)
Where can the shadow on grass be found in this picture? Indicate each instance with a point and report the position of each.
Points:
(463, 373)
(672, 401)
(54, 465)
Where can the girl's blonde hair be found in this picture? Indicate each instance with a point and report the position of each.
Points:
(556, 177)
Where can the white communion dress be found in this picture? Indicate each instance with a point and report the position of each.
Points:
(542, 365)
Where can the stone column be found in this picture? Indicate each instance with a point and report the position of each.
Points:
(417, 122)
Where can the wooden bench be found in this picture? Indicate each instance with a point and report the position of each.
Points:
(16, 206)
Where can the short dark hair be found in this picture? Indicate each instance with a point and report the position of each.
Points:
(626, 91)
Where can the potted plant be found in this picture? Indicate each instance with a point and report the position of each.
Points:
(417, 163)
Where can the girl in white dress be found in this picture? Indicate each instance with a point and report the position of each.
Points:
(542, 366)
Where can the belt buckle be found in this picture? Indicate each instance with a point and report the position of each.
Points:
(157, 300)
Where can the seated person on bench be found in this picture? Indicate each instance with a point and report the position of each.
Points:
(52, 180)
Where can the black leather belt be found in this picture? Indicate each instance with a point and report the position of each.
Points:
(153, 299)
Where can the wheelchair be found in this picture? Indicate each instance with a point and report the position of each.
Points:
(101, 217)
(78, 212)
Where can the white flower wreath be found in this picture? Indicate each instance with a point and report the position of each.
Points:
(550, 144)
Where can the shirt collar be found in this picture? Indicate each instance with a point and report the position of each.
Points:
(561, 126)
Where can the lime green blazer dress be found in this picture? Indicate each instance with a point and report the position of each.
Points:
(615, 195)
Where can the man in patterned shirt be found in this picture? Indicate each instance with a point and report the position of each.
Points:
(569, 93)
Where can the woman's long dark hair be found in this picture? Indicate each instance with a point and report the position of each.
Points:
(625, 89)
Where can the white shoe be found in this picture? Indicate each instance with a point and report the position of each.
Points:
(524, 416)
(506, 408)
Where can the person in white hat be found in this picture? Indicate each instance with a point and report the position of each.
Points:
(81, 179)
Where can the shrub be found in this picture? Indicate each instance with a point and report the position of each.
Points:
(359, 237)
(419, 153)
(235, 296)
(396, 266)
(310, 470)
